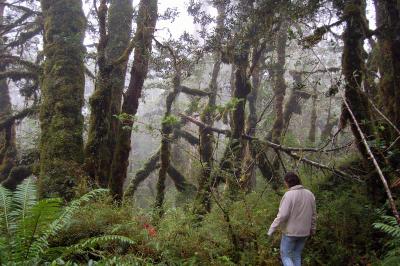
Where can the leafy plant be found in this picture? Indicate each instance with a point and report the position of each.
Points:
(390, 227)
(170, 120)
(26, 223)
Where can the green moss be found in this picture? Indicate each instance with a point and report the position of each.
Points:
(7, 135)
(106, 100)
(62, 84)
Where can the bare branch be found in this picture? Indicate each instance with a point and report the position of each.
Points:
(12, 59)
(7, 121)
(193, 140)
(193, 92)
(18, 75)
(179, 180)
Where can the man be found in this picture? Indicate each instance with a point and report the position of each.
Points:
(297, 219)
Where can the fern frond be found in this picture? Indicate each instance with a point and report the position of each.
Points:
(41, 242)
(389, 226)
(6, 221)
(34, 224)
(96, 241)
(24, 197)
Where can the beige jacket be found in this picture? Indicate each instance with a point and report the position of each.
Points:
(297, 213)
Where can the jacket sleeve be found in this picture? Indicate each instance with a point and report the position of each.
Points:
(314, 218)
(283, 214)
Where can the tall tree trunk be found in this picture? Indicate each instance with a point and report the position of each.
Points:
(249, 164)
(106, 100)
(165, 149)
(353, 65)
(146, 23)
(388, 19)
(327, 130)
(7, 135)
(235, 146)
(62, 88)
(268, 168)
(280, 85)
(293, 105)
(313, 118)
(206, 147)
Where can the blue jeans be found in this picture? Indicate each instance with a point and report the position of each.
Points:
(291, 248)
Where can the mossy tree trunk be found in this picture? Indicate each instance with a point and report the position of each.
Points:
(388, 20)
(62, 89)
(106, 99)
(280, 85)
(353, 65)
(329, 124)
(248, 178)
(7, 135)
(235, 145)
(293, 103)
(165, 149)
(146, 23)
(313, 118)
(269, 167)
(206, 147)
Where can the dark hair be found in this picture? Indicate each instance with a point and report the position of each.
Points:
(292, 179)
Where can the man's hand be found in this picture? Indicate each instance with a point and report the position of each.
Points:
(270, 232)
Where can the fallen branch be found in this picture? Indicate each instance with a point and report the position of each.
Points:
(375, 162)
(288, 150)
(321, 166)
(227, 133)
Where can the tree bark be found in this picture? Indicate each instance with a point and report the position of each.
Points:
(249, 164)
(165, 149)
(62, 88)
(268, 168)
(353, 64)
(7, 134)
(234, 150)
(388, 20)
(106, 99)
(280, 85)
(146, 23)
(206, 147)
(313, 118)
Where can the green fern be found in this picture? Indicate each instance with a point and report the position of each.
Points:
(26, 224)
(5, 209)
(42, 242)
(92, 243)
(391, 228)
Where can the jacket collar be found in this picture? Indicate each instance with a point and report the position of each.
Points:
(296, 187)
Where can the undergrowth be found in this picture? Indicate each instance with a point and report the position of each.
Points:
(97, 232)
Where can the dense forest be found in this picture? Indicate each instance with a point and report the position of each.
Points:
(145, 132)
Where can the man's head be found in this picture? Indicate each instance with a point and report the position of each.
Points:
(292, 179)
